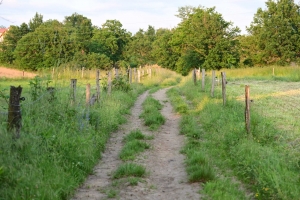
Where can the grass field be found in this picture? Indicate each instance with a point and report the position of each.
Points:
(267, 161)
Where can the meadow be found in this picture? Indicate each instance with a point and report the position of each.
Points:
(235, 165)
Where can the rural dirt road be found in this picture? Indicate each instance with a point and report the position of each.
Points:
(167, 179)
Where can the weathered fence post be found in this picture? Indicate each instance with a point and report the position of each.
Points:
(109, 83)
(14, 111)
(135, 75)
(199, 73)
(53, 73)
(87, 94)
(150, 73)
(51, 91)
(203, 79)
(139, 75)
(213, 77)
(247, 108)
(130, 75)
(98, 85)
(194, 76)
(224, 87)
(73, 91)
(116, 73)
(82, 72)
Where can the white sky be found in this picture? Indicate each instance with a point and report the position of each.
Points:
(133, 14)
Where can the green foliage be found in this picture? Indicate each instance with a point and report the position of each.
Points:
(140, 47)
(38, 86)
(121, 83)
(35, 22)
(151, 115)
(129, 169)
(205, 39)
(276, 33)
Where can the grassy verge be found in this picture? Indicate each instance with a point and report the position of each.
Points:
(60, 142)
(151, 113)
(263, 161)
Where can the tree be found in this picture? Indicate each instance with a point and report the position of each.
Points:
(276, 32)
(205, 39)
(9, 44)
(162, 50)
(140, 47)
(110, 40)
(47, 46)
(80, 30)
(35, 22)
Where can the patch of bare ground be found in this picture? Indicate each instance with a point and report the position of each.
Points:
(14, 73)
(167, 178)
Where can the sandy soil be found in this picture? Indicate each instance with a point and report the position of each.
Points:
(13, 73)
(167, 179)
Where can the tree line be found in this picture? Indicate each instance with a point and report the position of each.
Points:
(202, 39)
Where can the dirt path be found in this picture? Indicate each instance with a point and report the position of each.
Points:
(167, 178)
(14, 73)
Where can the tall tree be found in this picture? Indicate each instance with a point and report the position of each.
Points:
(111, 40)
(47, 46)
(81, 31)
(276, 31)
(140, 47)
(162, 50)
(10, 42)
(205, 39)
(35, 22)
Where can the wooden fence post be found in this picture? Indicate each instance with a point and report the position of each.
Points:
(130, 75)
(82, 72)
(109, 83)
(139, 75)
(14, 111)
(247, 108)
(150, 73)
(53, 73)
(224, 87)
(98, 85)
(213, 77)
(203, 79)
(87, 94)
(199, 73)
(73, 91)
(194, 76)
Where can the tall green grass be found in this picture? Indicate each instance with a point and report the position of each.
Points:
(261, 160)
(60, 143)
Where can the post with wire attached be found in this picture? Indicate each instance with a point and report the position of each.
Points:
(194, 76)
(247, 108)
(73, 90)
(203, 79)
(14, 111)
(98, 85)
(224, 82)
(213, 78)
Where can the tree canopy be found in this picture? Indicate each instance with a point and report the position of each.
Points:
(203, 39)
